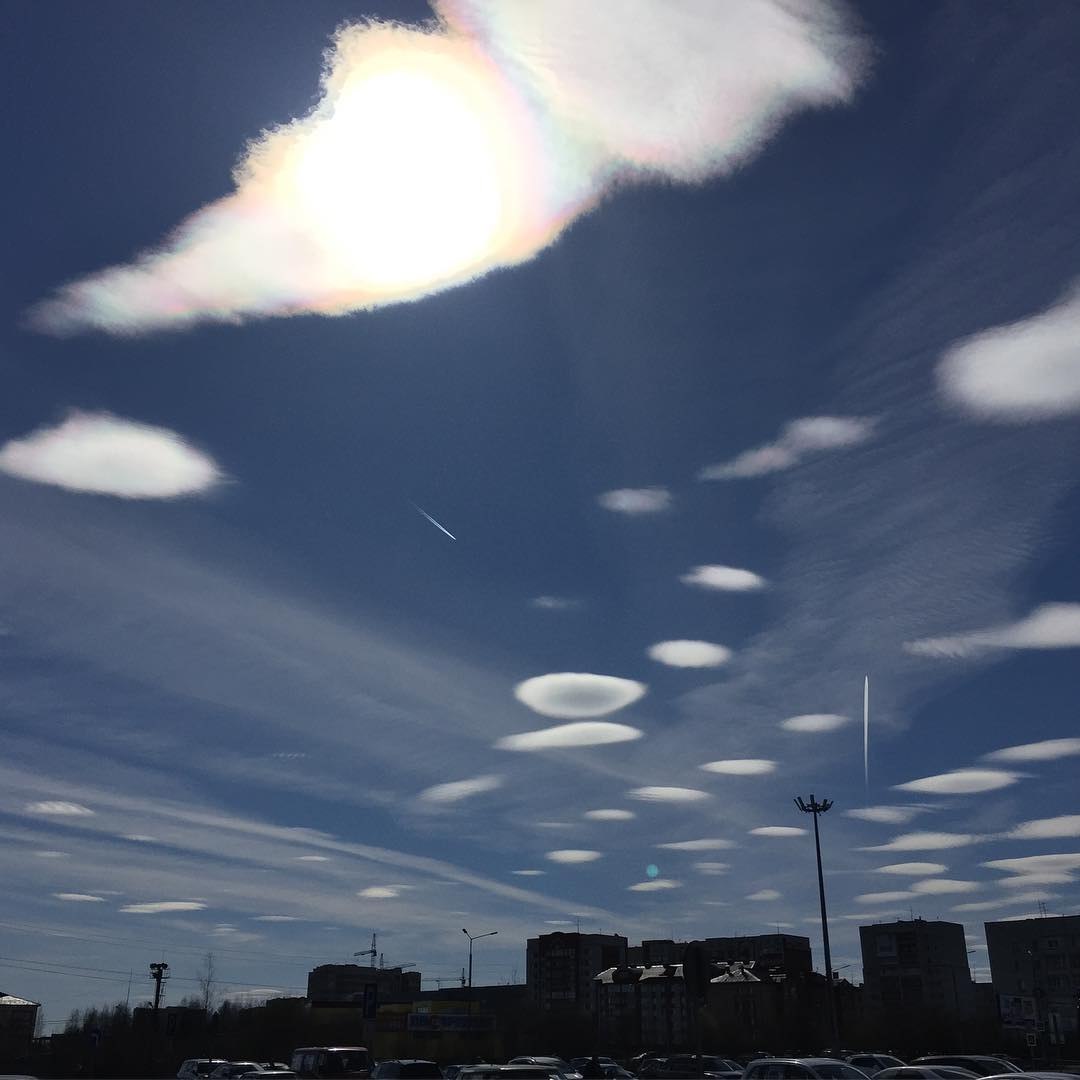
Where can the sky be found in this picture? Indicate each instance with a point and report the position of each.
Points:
(459, 467)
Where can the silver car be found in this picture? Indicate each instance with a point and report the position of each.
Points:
(802, 1069)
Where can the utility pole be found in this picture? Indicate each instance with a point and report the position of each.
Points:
(817, 809)
(472, 938)
(159, 973)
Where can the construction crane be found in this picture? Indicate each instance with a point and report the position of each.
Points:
(373, 952)
(400, 967)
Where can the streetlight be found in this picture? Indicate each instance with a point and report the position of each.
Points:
(472, 938)
(817, 808)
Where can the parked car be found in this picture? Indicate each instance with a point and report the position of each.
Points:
(925, 1072)
(231, 1069)
(407, 1069)
(336, 1062)
(979, 1064)
(509, 1072)
(872, 1064)
(198, 1068)
(564, 1068)
(689, 1066)
(802, 1069)
(269, 1074)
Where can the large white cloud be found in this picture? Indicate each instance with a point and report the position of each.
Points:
(573, 856)
(439, 153)
(1047, 750)
(811, 434)
(927, 841)
(659, 793)
(1026, 370)
(162, 907)
(723, 579)
(708, 843)
(79, 898)
(943, 886)
(690, 654)
(99, 454)
(1055, 828)
(650, 500)
(1051, 626)
(815, 723)
(1033, 864)
(778, 831)
(610, 815)
(571, 695)
(740, 766)
(564, 736)
(961, 782)
(456, 790)
(915, 869)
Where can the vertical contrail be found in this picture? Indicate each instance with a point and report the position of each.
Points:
(866, 731)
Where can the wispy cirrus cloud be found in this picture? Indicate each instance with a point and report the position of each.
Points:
(79, 898)
(636, 501)
(100, 454)
(1026, 370)
(765, 895)
(162, 907)
(570, 695)
(690, 654)
(943, 886)
(888, 897)
(800, 438)
(380, 892)
(660, 793)
(961, 782)
(886, 815)
(457, 790)
(1051, 626)
(1046, 750)
(927, 841)
(655, 885)
(707, 843)
(554, 603)
(719, 578)
(439, 153)
(58, 808)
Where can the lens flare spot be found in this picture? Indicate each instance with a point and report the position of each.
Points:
(652, 870)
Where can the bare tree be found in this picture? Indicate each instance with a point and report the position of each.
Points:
(208, 990)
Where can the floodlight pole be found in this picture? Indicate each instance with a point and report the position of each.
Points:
(472, 938)
(817, 808)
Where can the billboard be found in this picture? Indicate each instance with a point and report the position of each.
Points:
(1017, 1011)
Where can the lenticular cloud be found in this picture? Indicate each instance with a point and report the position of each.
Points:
(437, 154)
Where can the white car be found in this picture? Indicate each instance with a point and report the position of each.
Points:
(198, 1068)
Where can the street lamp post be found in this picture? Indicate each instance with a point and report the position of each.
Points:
(472, 938)
(817, 808)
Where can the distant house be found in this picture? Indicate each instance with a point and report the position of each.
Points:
(18, 1018)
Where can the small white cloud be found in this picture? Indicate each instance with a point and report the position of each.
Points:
(139, 838)
(765, 894)
(456, 790)
(712, 868)
(571, 695)
(1047, 750)
(883, 897)
(668, 794)
(740, 766)
(52, 854)
(101, 454)
(610, 815)
(529, 873)
(927, 841)
(159, 907)
(554, 603)
(275, 918)
(915, 869)
(723, 579)
(943, 886)
(886, 815)
(650, 500)
(312, 858)
(79, 897)
(1034, 864)
(690, 654)
(981, 905)
(571, 856)
(708, 843)
(570, 736)
(655, 885)
(59, 809)
(1026, 370)
(380, 892)
(1068, 825)
(1041, 877)
(1051, 626)
(961, 782)
(777, 830)
(811, 434)
(814, 723)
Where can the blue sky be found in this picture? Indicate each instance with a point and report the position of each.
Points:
(265, 677)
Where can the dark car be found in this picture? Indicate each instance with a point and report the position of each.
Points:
(689, 1066)
(925, 1072)
(979, 1064)
(802, 1069)
(871, 1064)
(407, 1069)
(332, 1062)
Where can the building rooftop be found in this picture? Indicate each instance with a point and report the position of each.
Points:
(11, 999)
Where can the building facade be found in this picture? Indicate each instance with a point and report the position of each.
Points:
(360, 986)
(791, 952)
(559, 968)
(1035, 967)
(18, 1017)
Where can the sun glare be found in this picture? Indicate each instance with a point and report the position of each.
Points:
(406, 183)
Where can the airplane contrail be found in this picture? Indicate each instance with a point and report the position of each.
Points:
(866, 731)
(434, 522)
